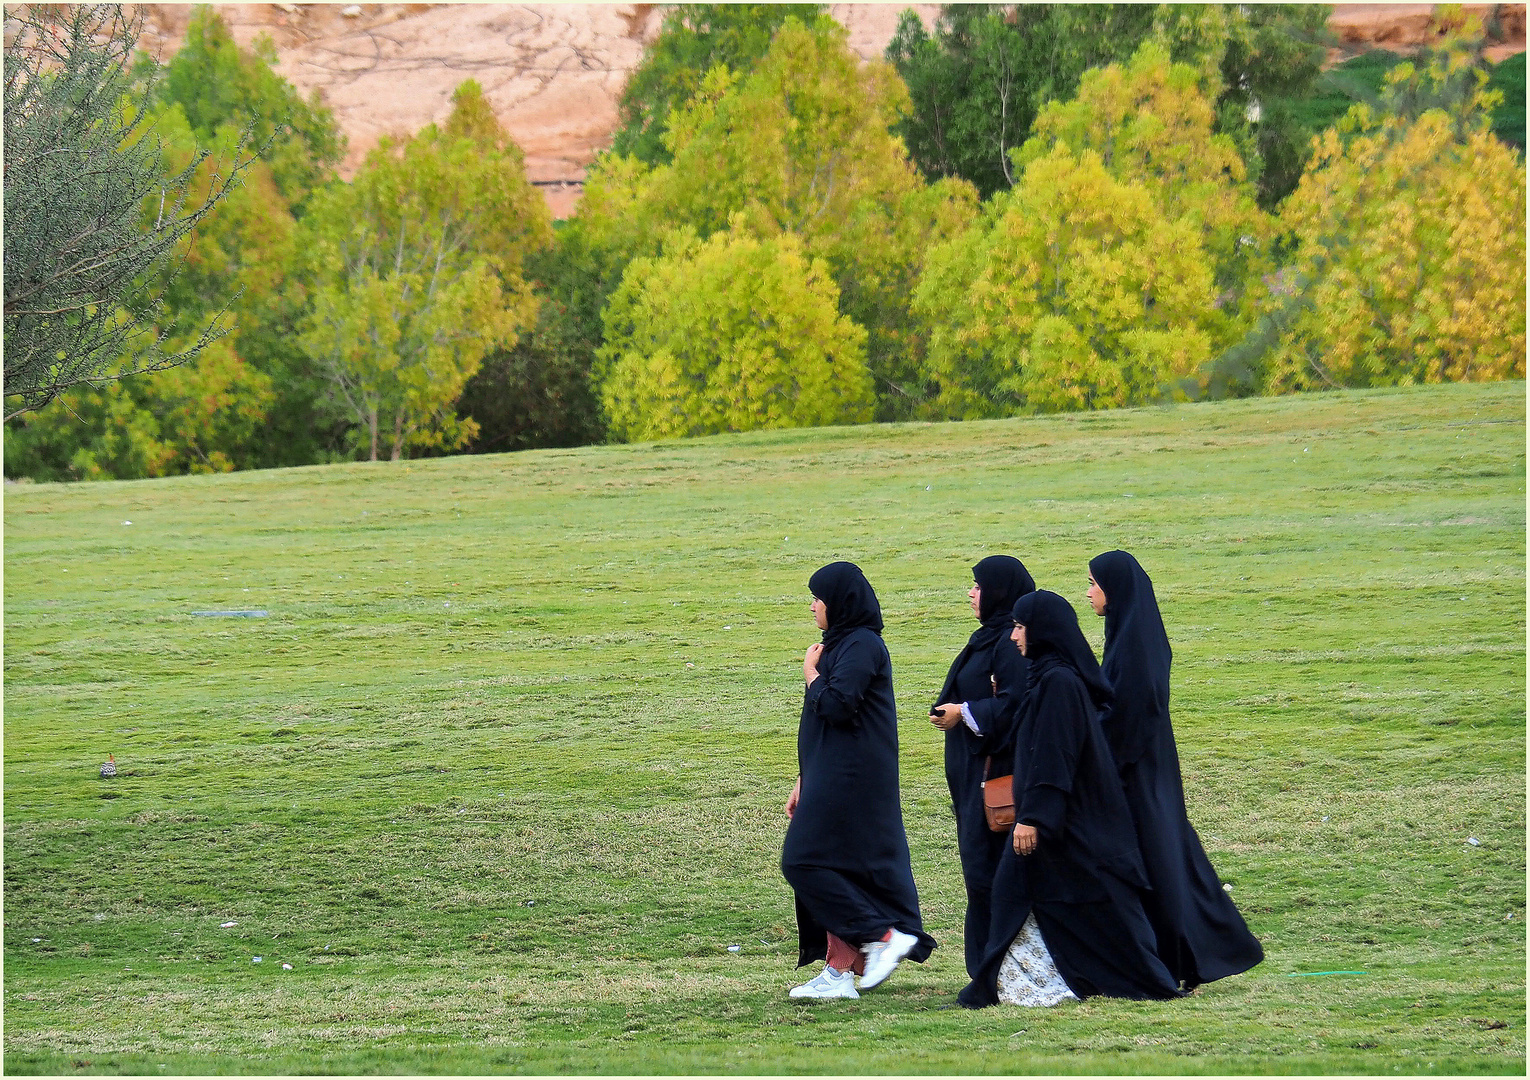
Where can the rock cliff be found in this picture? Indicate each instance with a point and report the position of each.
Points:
(554, 72)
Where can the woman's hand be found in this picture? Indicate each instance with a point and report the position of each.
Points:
(1025, 838)
(810, 663)
(946, 716)
(794, 798)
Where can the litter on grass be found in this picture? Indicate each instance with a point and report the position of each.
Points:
(226, 925)
(1473, 841)
(286, 967)
(255, 959)
(1301, 974)
(734, 948)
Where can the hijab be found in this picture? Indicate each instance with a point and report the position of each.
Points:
(1003, 579)
(1137, 652)
(1053, 638)
(849, 598)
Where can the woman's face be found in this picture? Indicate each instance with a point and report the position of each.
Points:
(1096, 596)
(820, 614)
(975, 594)
(1017, 635)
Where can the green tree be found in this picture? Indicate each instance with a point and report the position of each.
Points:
(801, 146)
(980, 80)
(199, 417)
(730, 334)
(220, 87)
(1410, 226)
(538, 392)
(417, 269)
(695, 38)
(1074, 291)
(84, 269)
(1153, 122)
(977, 83)
(216, 83)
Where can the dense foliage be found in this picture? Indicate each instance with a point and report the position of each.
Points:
(1029, 208)
(1411, 265)
(93, 224)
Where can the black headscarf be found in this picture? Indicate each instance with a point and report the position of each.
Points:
(849, 598)
(1003, 579)
(1052, 637)
(1137, 652)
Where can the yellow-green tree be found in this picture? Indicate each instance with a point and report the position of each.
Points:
(1075, 291)
(1411, 231)
(800, 146)
(205, 415)
(733, 333)
(417, 269)
(1153, 122)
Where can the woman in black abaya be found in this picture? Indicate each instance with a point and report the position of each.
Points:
(1201, 936)
(1067, 908)
(976, 710)
(846, 854)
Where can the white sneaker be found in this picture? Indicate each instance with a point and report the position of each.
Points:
(828, 984)
(883, 956)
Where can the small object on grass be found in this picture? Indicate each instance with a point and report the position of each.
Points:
(734, 948)
(254, 613)
(255, 959)
(1325, 817)
(1226, 887)
(1472, 840)
(286, 967)
(127, 523)
(226, 925)
(1302, 974)
(109, 768)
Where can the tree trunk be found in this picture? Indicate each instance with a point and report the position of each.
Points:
(398, 435)
(372, 424)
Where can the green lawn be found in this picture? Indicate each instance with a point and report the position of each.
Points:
(500, 776)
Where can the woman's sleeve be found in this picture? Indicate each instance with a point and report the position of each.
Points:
(1061, 719)
(995, 715)
(837, 695)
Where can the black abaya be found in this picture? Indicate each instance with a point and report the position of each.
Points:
(1201, 936)
(989, 676)
(846, 854)
(1083, 882)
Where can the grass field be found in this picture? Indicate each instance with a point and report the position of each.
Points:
(500, 775)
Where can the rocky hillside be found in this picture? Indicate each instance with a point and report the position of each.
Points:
(554, 72)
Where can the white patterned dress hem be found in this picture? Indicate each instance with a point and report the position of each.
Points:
(1028, 976)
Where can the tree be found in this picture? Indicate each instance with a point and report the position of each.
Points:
(538, 392)
(217, 84)
(801, 145)
(730, 334)
(977, 83)
(84, 272)
(202, 416)
(695, 38)
(1153, 122)
(417, 270)
(1410, 226)
(1074, 291)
